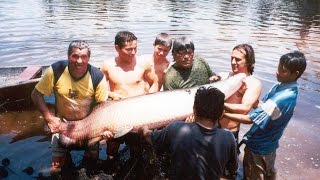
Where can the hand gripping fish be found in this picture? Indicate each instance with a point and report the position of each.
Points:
(155, 110)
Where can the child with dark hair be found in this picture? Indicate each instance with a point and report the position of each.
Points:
(271, 118)
(159, 61)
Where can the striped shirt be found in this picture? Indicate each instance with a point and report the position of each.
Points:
(271, 118)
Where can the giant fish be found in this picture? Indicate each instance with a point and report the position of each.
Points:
(154, 110)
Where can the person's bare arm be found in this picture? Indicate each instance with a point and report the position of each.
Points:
(113, 95)
(145, 132)
(241, 118)
(151, 78)
(104, 70)
(53, 122)
(249, 99)
(108, 135)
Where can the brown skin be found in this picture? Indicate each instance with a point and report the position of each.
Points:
(128, 75)
(52, 121)
(160, 62)
(78, 62)
(184, 59)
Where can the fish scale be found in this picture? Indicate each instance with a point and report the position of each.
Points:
(154, 110)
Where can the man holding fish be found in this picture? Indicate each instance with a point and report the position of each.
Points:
(128, 76)
(242, 61)
(77, 87)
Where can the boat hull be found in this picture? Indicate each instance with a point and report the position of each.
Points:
(16, 88)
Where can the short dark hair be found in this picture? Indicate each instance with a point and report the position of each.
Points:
(123, 37)
(250, 58)
(81, 44)
(163, 39)
(209, 103)
(182, 44)
(294, 61)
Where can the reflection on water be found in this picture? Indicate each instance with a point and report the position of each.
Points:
(39, 32)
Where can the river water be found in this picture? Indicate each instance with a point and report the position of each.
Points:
(39, 32)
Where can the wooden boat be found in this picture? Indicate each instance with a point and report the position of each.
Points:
(16, 86)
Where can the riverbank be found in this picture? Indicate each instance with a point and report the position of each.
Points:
(298, 156)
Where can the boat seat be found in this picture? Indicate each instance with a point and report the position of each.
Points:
(30, 72)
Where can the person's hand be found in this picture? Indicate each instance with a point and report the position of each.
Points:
(190, 119)
(53, 123)
(115, 96)
(214, 78)
(107, 135)
(144, 131)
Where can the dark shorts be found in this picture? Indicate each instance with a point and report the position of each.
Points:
(133, 140)
(236, 135)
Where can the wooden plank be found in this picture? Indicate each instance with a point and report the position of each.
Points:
(29, 73)
(16, 97)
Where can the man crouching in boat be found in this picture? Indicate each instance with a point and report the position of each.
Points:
(77, 87)
(198, 150)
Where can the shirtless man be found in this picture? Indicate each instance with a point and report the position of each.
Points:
(242, 61)
(127, 75)
(159, 61)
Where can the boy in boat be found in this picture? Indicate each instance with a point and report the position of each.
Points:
(270, 118)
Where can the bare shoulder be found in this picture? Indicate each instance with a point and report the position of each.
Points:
(145, 61)
(107, 64)
(146, 58)
(253, 83)
(225, 75)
